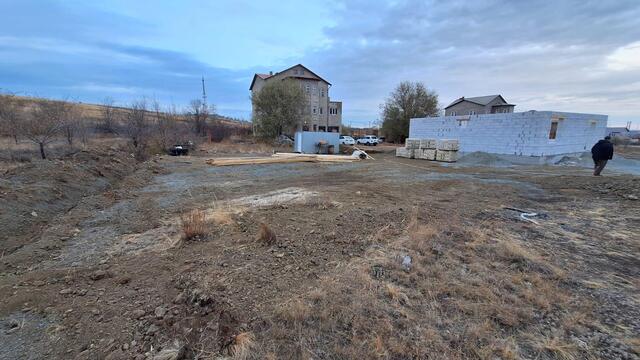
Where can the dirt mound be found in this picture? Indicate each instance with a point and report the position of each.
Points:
(33, 194)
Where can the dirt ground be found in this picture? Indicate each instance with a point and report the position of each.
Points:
(391, 259)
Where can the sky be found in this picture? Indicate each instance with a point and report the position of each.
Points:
(579, 56)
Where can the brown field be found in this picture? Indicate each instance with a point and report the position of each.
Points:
(106, 257)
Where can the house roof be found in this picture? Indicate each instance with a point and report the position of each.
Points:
(267, 76)
(480, 100)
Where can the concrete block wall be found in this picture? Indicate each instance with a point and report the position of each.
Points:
(524, 133)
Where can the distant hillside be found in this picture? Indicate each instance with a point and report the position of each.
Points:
(94, 111)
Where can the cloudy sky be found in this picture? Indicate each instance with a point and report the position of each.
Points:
(581, 56)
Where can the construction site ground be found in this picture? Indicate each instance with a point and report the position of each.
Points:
(388, 258)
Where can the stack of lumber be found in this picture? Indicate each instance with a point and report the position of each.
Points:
(281, 158)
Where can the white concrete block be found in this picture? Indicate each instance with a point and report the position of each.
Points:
(446, 155)
(427, 154)
(404, 152)
(427, 143)
(412, 143)
(448, 144)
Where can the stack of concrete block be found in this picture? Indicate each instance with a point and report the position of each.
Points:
(428, 143)
(427, 149)
(405, 153)
(428, 154)
(448, 144)
(447, 150)
(412, 143)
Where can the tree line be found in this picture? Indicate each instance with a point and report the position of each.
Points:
(148, 126)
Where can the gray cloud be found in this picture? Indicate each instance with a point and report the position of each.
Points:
(539, 54)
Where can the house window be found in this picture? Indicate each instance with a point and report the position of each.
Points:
(554, 129)
(315, 127)
(453, 113)
(320, 111)
(322, 92)
(472, 112)
(314, 109)
(307, 88)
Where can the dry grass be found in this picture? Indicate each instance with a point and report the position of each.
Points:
(243, 347)
(265, 234)
(471, 293)
(558, 348)
(194, 225)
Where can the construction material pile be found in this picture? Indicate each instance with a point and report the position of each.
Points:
(445, 150)
(278, 158)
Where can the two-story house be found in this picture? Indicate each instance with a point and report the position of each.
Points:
(490, 104)
(321, 114)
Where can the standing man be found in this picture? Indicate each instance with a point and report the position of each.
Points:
(601, 152)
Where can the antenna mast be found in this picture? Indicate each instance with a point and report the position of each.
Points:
(204, 95)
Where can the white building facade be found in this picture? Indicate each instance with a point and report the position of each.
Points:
(531, 133)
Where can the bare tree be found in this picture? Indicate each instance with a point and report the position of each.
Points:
(165, 126)
(199, 113)
(43, 124)
(137, 126)
(109, 119)
(9, 116)
(68, 113)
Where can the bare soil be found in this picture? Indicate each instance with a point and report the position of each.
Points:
(103, 270)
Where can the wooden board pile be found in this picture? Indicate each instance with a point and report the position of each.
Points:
(445, 150)
(282, 158)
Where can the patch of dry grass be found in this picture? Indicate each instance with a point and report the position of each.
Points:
(194, 225)
(243, 347)
(471, 293)
(265, 234)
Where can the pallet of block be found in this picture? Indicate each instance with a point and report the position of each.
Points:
(447, 150)
(405, 152)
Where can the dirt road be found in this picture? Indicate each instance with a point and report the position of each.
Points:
(110, 277)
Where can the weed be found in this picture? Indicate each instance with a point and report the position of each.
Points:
(265, 234)
(194, 225)
(243, 346)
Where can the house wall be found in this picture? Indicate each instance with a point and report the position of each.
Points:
(317, 92)
(523, 133)
(463, 108)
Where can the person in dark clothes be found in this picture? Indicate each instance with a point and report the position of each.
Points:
(601, 152)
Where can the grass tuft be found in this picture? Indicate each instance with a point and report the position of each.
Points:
(243, 347)
(265, 234)
(194, 225)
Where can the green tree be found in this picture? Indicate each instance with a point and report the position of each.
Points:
(278, 107)
(408, 100)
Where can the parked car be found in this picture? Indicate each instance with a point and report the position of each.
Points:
(370, 140)
(347, 140)
(381, 139)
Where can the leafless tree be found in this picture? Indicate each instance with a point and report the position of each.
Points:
(109, 119)
(199, 114)
(44, 124)
(9, 114)
(137, 126)
(68, 113)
